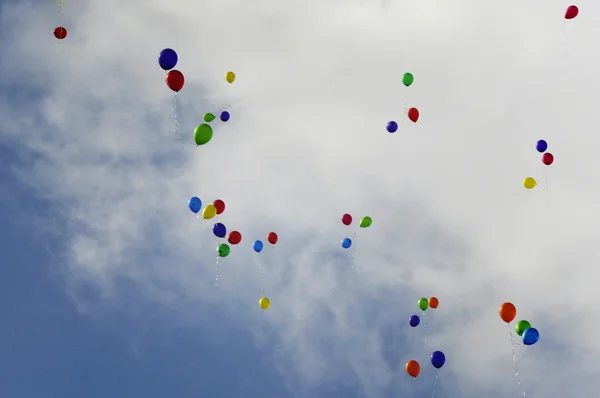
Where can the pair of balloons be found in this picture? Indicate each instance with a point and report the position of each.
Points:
(224, 116)
(437, 359)
(167, 60)
(413, 116)
(529, 335)
(425, 303)
(547, 158)
(365, 222)
(272, 238)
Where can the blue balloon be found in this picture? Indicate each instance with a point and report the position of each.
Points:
(225, 116)
(195, 204)
(531, 336)
(541, 146)
(258, 246)
(438, 359)
(219, 230)
(392, 127)
(414, 321)
(167, 59)
(346, 243)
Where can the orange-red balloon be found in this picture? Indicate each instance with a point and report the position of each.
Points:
(219, 205)
(412, 368)
(434, 302)
(507, 312)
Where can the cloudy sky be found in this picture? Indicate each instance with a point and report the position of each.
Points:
(107, 286)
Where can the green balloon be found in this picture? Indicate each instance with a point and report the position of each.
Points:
(408, 79)
(366, 222)
(423, 304)
(209, 117)
(202, 134)
(522, 326)
(223, 250)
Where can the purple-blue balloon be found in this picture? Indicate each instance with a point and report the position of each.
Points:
(541, 146)
(225, 116)
(414, 321)
(392, 127)
(438, 359)
(167, 59)
(219, 230)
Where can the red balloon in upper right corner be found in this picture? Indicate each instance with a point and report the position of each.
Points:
(571, 12)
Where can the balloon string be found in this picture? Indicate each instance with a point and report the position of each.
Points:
(217, 265)
(547, 191)
(514, 355)
(424, 330)
(261, 276)
(353, 250)
(437, 376)
(176, 121)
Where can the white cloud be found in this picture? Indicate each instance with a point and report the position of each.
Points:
(317, 82)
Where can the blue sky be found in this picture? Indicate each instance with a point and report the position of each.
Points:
(107, 287)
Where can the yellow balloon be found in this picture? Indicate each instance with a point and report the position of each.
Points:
(209, 212)
(230, 77)
(264, 303)
(529, 183)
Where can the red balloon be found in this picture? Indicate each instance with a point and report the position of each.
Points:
(272, 238)
(413, 114)
(60, 33)
(175, 80)
(571, 12)
(234, 237)
(547, 158)
(346, 219)
(220, 206)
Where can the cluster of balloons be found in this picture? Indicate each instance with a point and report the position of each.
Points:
(547, 159)
(413, 113)
(437, 358)
(528, 334)
(233, 238)
(203, 133)
(423, 303)
(365, 222)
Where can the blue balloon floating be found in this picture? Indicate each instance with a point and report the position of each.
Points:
(219, 230)
(531, 336)
(438, 359)
(346, 243)
(167, 59)
(225, 116)
(414, 321)
(258, 246)
(195, 204)
(392, 127)
(541, 146)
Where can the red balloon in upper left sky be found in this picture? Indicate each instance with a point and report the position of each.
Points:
(60, 33)
(175, 80)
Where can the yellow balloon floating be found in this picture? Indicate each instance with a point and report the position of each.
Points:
(209, 212)
(529, 183)
(230, 77)
(264, 303)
